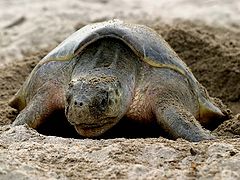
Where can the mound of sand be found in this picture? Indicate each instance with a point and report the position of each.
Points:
(25, 154)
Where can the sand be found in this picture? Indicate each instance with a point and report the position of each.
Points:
(205, 35)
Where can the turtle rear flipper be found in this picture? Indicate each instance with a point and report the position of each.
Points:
(210, 115)
(17, 101)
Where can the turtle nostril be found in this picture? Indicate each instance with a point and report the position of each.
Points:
(78, 103)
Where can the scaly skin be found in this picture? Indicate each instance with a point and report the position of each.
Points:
(165, 96)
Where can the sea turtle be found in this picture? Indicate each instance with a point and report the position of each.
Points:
(110, 70)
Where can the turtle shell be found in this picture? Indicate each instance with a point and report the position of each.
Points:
(146, 43)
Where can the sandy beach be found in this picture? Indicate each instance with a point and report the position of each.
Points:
(205, 34)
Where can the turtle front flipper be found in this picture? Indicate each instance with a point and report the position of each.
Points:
(180, 123)
(40, 107)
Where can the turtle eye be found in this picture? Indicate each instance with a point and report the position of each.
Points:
(117, 92)
(103, 100)
(110, 102)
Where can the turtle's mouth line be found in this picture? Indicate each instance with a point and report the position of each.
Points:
(92, 126)
(101, 123)
(93, 130)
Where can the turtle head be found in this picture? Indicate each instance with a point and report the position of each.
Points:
(93, 105)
